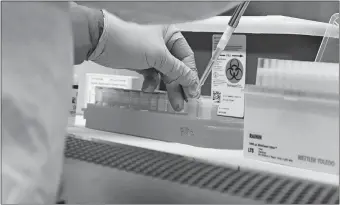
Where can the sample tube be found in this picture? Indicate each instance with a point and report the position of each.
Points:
(162, 102)
(106, 98)
(145, 100)
(119, 97)
(114, 98)
(134, 99)
(153, 103)
(204, 108)
(125, 98)
(98, 96)
(214, 110)
(193, 108)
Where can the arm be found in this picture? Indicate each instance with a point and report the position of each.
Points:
(87, 18)
(169, 12)
(137, 47)
(36, 78)
(87, 27)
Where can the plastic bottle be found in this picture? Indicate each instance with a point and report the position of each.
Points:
(73, 102)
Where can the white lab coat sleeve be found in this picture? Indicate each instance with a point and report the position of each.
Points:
(37, 63)
(163, 12)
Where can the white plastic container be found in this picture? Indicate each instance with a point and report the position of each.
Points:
(294, 130)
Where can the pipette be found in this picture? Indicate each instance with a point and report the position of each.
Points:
(233, 22)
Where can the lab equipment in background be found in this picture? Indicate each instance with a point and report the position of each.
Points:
(73, 104)
(150, 115)
(330, 46)
(292, 115)
(278, 37)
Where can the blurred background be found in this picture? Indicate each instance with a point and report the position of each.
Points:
(311, 10)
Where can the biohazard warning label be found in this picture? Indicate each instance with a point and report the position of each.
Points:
(228, 77)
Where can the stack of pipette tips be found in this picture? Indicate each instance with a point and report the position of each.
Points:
(299, 77)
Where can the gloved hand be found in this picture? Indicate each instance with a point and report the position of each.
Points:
(180, 49)
(149, 50)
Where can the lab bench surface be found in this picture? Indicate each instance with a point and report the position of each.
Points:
(231, 158)
(98, 171)
(92, 184)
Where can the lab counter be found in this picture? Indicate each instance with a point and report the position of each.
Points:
(91, 176)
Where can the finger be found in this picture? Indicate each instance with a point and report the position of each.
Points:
(151, 80)
(175, 96)
(176, 70)
(180, 87)
(179, 48)
(191, 91)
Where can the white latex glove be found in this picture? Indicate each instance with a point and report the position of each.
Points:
(179, 48)
(140, 47)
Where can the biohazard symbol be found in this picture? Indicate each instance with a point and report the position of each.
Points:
(234, 70)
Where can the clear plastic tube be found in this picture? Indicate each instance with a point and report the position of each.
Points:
(333, 26)
(193, 108)
(145, 100)
(162, 102)
(220, 47)
(298, 76)
(153, 106)
(134, 99)
(232, 24)
(98, 96)
(205, 106)
(125, 98)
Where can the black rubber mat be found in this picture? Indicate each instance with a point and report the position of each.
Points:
(259, 186)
